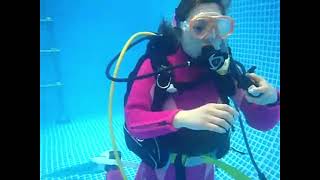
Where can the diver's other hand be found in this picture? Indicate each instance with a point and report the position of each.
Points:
(268, 93)
(212, 117)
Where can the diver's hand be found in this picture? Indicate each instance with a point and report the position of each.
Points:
(268, 93)
(212, 117)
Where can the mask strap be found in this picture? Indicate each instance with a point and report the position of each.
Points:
(174, 21)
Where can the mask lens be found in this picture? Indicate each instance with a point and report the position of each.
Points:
(203, 26)
(223, 26)
(200, 27)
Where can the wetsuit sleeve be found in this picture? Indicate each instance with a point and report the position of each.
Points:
(140, 120)
(260, 117)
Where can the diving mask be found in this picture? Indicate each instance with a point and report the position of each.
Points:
(205, 24)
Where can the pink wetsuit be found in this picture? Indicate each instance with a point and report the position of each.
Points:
(143, 123)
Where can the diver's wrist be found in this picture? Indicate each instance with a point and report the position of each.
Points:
(178, 119)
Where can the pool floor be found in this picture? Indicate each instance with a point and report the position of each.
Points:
(66, 149)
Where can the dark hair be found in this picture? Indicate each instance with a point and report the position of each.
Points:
(185, 6)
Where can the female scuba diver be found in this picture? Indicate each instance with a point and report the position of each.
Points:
(194, 117)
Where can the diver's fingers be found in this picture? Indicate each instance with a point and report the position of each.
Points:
(255, 78)
(258, 90)
(215, 128)
(256, 100)
(225, 107)
(225, 115)
(219, 122)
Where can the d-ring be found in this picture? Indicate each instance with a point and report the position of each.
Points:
(163, 87)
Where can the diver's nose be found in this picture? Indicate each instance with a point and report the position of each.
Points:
(216, 43)
(211, 39)
(210, 35)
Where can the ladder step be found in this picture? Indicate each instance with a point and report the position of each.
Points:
(56, 84)
(52, 50)
(47, 19)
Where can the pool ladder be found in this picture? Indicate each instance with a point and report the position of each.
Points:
(54, 51)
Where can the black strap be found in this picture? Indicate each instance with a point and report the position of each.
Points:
(180, 169)
(240, 152)
(160, 95)
(132, 75)
(260, 174)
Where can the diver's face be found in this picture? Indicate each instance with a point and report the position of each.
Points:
(192, 45)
